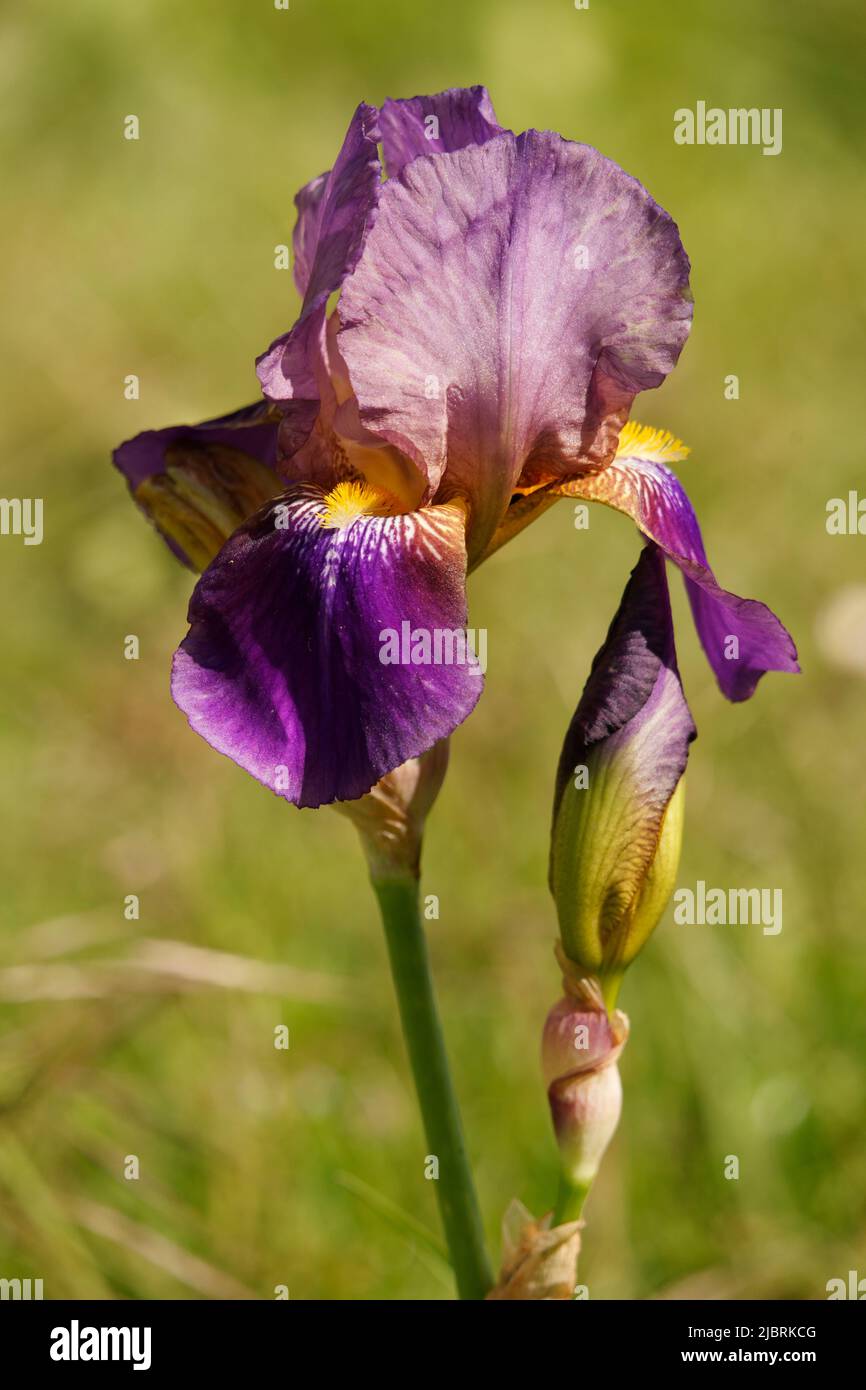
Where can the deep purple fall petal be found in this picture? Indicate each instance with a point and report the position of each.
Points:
(512, 299)
(252, 429)
(283, 670)
(437, 124)
(742, 638)
(197, 482)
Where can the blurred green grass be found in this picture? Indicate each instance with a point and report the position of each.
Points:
(156, 257)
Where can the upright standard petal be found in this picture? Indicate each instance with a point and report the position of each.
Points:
(197, 483)
(435, 125)
(327, 643)
(617, 811)
(309, 201)
(335, 214)
(742, 638)
(512, 299)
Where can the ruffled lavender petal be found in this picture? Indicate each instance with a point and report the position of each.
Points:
(436, 124)
(282, 668)
(512, 299)
(336, 216)
(309, 202)
(742, 638)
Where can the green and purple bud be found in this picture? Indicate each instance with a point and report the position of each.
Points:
(618, 805)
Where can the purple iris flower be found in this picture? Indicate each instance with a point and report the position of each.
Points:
(502, 300)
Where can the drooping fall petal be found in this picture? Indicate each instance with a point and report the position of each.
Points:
(197, 483)
(512, 299)
(290, 666)
(742, 638)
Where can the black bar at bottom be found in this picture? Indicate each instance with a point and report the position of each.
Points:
(83, 1338)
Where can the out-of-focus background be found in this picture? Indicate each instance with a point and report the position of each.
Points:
(153, 1038)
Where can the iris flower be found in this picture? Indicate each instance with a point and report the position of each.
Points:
(474, 329)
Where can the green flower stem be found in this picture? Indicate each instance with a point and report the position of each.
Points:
(410, 968)
(569, 1200)
(610, 984)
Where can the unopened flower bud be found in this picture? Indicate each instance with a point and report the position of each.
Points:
(618, 806)
(580, 1047)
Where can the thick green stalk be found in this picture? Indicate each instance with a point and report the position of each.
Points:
(410, 968)
(569, 1201)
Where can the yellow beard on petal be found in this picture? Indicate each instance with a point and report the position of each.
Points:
(647, 442)
(349, 500)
